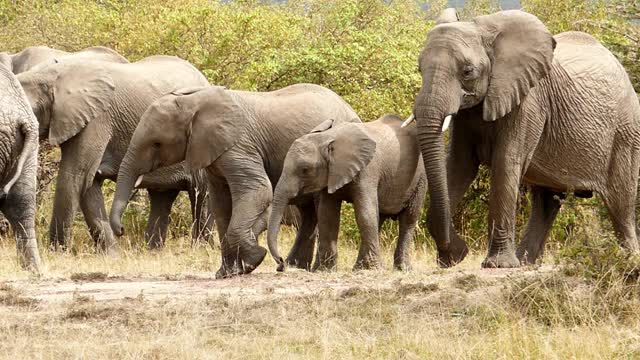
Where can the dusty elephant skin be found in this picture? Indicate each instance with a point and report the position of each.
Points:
(18, 167)
(90, 109)
(557, 113)
(376, 166)
(34, 56)
(241, 138)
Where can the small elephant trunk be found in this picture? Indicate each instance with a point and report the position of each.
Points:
(280, 201)
(126, 181)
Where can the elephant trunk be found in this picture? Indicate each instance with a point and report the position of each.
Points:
(281, 199)
(127, 176)
(432, 112)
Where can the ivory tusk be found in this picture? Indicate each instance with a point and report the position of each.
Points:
(138, 181)
(446, 122)
(408, 121)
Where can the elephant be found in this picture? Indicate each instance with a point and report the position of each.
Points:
(18, 167)
(555, 113)
(376, 166)
(241, 139)
(90, 109)
(33, 56)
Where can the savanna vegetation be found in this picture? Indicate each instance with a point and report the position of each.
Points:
(366, 51)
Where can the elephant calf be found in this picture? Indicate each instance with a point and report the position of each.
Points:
(376, 166)
(18, 166)
(241, 138)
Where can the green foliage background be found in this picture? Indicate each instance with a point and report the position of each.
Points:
(365, 50)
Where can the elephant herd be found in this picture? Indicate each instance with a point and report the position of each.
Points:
(556, 113)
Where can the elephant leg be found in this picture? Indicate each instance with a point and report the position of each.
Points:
(96, 217)
(81, 156)
(4, 224)
(19, 208)
(301, 254)
(503, 202)
(220, 205)
(328, 229)
(367, 216)
(462, 169)
(620, 197)
(407, 222)
(544, 208)
(161, 202)
(202, 226)
(251, 204)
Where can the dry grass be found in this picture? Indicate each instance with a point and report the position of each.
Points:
(427, 313)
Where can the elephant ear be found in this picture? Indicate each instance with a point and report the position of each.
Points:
(217, 124)
(324, 126)
(521, 51)
(448, 15)
(5, 60)
(81, 94)
(349, 152)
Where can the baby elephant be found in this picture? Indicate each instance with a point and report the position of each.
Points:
(376, 166)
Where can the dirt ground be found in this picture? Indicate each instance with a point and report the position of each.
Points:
(102, 287)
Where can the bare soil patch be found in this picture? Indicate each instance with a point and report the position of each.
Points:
(261, 285)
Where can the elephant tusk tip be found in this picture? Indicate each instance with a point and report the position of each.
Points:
(446, 122)
(138, 181)
(409, 120)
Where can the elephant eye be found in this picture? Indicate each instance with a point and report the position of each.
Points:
(304, 170)
(156, 145)
(468, 71)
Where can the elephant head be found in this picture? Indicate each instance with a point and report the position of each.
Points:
(491, 63)
(196, 125)
(65, 98)
(329, 157)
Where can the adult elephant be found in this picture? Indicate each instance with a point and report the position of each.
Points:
(241, 138)
(18, 167)
(557, 121)
(33, 56)
(90, 109)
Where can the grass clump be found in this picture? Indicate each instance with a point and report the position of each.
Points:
(598, 282)
(11, 296)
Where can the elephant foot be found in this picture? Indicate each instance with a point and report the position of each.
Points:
(367, 264)
(155, 244)
(505, 259)
(300, 262)
(456, 252)
(526, 257)
(28, 256)
(250, 260)
(325, 265)
(325, 268)
(402, 266)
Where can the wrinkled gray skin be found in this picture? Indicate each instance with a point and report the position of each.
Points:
(241, 138)
(18, 167)
(34, 56)
(376, 166)
(91, 109)
(558, 121)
